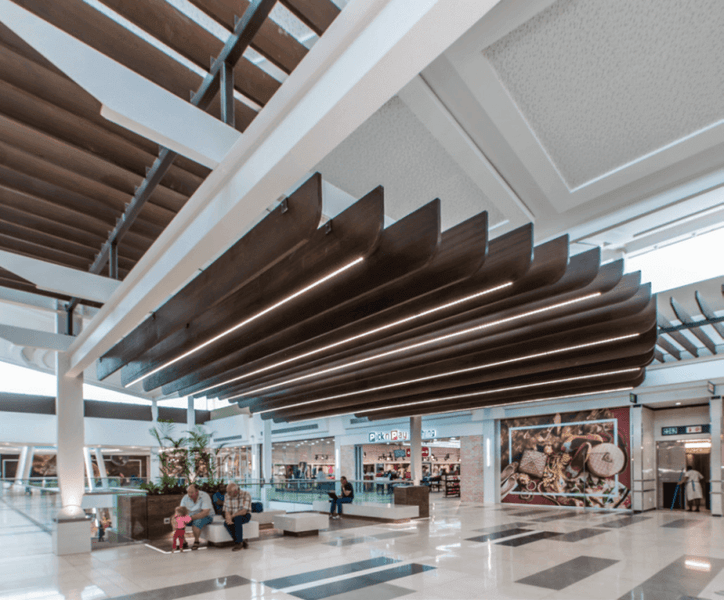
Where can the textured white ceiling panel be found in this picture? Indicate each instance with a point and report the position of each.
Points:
(394, 149)
(603, 83)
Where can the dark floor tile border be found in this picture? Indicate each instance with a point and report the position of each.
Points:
(362, 581)
(683, 523)
(580, 534)
(497, 535)
(567, 573)
(677, 581)
(528, 539)
(188, 589)
(311, 576)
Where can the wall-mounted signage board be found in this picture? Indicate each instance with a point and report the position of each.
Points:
(684, 429)
(397, 435)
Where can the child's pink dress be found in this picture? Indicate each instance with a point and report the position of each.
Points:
(180, 530)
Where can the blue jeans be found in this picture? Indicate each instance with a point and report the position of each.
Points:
(236, 531)
(203, 522)
(337, 504)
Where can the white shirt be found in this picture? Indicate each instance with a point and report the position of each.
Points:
(203, 502)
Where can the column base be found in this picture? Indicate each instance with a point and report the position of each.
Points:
(71, 534)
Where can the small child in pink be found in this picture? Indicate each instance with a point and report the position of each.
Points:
(179, 521)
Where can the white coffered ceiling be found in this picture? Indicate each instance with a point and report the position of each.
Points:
(604, 120)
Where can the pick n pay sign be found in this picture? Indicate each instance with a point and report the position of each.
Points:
(397, 435)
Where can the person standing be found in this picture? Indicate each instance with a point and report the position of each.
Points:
(346, 498)
(694, 491)
(179, 521)
(200, 508)
(237, 512)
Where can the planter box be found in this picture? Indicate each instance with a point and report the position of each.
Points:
(142, 517)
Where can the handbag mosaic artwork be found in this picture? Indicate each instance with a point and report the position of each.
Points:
(573, 459)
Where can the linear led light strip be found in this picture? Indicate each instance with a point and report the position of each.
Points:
(357, 337)
(418, 345)
(458, 372)
(250, 319)
(495, 391)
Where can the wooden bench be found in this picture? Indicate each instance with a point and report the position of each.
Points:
(372, 510)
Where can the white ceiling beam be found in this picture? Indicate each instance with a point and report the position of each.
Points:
(32, 338)
(430, 110)
(28, 299)
(127, 99)
(59, 279)
(367, 55)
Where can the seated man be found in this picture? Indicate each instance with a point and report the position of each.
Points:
(237, 511)
(346, 498)
(200, 509)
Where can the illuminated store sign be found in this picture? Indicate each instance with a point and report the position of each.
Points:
(397, 435)
(684, 429)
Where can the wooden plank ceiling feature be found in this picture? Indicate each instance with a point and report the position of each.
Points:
(67, 175)
(358, 319)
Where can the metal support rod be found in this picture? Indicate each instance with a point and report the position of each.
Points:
(227, 94)
(113, 261)
(692, 325)
(244, 31)
(69, 319)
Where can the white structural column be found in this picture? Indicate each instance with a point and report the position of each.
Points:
(643, 466)
(20, 469)
(88, 459)
(102, 467)
(267, 451)
(715, 486)
(154, 470)
(416, 450)
(71, 531)
(491, 460)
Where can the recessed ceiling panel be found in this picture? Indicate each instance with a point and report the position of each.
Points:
(602, 84)
(395, 150)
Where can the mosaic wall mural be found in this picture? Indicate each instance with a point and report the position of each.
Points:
(567, 459)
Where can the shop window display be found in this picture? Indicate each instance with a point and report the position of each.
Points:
(570, 459)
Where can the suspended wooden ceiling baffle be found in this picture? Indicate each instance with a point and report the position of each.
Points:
(66, 173)
(406, 320)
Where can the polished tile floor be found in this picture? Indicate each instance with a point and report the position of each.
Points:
(463, 551)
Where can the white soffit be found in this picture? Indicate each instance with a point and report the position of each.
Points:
(395, 150)
(603, 84)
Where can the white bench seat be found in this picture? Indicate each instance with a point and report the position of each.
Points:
(372, 510)
(267, 517)
(299, 524)
(215, 533)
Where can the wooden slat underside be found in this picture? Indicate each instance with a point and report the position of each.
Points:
(425, 316)
(66, 173)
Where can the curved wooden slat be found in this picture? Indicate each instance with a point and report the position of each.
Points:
(315, 14)
(185, 36)
(449, 329)
(568, 392)
(568, 348)
(86, 24)
(150, 226)
(24, 68)
(287, 228)
(350, 236)
(74, 159)
(272, 41)
(69, 127)
(509, 257)
(625, 300)
(461, 252)
(510, 389)
(686, 318)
